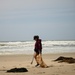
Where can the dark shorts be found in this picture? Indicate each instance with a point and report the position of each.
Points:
(38, 51)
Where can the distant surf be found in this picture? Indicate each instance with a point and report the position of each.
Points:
(27, 47)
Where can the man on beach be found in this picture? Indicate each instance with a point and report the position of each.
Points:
(38, 52)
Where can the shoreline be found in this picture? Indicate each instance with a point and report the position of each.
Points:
(33, 53)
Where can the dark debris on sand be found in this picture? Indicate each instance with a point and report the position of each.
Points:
(14, 70)
(69, 60)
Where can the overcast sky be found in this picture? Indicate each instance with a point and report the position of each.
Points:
(50, 19)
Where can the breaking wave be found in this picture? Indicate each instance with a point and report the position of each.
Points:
(27, 47)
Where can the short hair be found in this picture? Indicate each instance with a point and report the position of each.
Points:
(36, 37)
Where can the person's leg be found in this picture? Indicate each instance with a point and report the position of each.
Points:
(35, 56)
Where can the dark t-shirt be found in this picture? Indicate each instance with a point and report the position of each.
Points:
(38, 46)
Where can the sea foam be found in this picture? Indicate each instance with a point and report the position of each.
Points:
(27, 47)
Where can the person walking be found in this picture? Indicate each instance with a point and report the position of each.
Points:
(38, 52)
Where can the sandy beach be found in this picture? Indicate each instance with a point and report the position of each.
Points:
(17, 61)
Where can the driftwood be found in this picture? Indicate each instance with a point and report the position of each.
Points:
(65, 59)
(17, 70)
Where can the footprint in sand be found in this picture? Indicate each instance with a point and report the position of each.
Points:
(3, 67)
(40, 72)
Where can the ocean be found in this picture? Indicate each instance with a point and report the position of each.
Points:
(27, 47)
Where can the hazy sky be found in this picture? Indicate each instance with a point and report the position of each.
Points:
(50, 19)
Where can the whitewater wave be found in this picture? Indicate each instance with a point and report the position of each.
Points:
(27, 47)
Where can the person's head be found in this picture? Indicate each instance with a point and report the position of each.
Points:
(36, 37)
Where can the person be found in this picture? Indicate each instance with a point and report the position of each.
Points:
(38, 52)
(37, 48)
